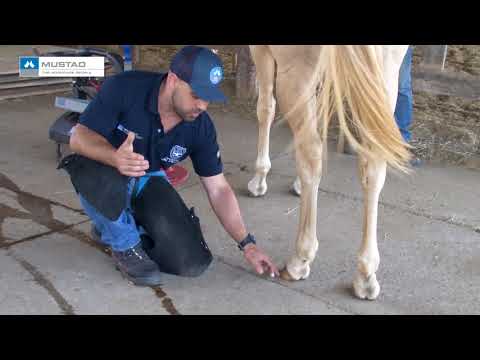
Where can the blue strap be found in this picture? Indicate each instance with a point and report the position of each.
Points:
(142, 181)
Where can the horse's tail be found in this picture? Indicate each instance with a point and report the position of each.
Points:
(352, 87)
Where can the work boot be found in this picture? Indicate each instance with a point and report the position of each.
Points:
(137, 267)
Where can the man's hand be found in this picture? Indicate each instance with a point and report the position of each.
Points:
(226, 208)
(260, 262)
(127, 162)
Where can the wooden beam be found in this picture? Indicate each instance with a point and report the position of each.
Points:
(435, 81)
(435, 56)
(246, 79)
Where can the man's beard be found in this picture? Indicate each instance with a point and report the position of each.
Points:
(183, 115)
(178, 110)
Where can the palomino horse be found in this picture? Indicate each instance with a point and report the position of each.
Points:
(356, 83)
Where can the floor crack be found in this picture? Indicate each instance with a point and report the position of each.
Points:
(36, 236)
(420, 213)
(41, 280)
(278, 282)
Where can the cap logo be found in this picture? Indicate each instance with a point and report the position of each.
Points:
(216, 75)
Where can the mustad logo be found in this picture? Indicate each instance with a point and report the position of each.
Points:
(64, 64)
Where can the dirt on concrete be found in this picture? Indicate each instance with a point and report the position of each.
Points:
(447, 128)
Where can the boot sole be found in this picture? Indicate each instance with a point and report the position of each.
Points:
(138, 281)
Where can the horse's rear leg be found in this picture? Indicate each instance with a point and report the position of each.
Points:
(265, 69)
(372, 174)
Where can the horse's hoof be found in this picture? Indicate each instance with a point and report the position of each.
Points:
(257, 187)
(366, 288)
(285, 275)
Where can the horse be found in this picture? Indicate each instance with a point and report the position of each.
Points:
(355, 84)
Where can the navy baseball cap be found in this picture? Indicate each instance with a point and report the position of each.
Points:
(202, 69)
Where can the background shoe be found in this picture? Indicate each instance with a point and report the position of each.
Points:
(348, 149)
(416, 162)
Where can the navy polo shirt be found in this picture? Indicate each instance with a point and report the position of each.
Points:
(129, 102)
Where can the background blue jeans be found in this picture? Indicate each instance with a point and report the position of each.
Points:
(404, 106)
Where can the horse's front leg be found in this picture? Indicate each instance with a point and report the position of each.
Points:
(308, 152)
(309, 166)
(265, 69)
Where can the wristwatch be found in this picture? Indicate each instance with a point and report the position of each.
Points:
(248, 240)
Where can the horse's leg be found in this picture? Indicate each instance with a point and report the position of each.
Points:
(308, 152)
(309, 167)
(372, 175)
(265, 69)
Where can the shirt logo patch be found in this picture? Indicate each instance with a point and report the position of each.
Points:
(176, 154)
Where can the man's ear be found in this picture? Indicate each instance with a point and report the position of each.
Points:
(172, 79)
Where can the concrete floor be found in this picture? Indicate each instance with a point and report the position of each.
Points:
(429, 235)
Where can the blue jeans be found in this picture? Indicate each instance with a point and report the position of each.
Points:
(404, 106)
(123, 233)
